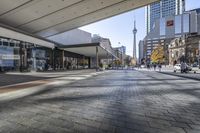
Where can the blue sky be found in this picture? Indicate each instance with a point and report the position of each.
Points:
(119, 28)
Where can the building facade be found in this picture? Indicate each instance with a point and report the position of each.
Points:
(162, 9)
(141, 51)
(168, 28)
(122, 49)
(22, 52)
(75, 36)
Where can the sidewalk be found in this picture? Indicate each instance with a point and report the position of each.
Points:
(190, 75)
(170, 71)
(11, 78)
(27, 83)
(184, 75)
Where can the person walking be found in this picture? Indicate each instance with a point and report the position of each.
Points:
(159, 67)
(154, 66)
(183, 67)
(148, 66)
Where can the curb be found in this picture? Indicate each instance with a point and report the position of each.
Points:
(182, 76)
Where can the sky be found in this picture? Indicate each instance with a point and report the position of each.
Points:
(119, 28)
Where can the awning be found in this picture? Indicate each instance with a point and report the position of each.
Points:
(89, 50)
(9, 33)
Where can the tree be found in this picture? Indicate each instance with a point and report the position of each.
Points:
(157, 54)
(117, 62)
(127, 60)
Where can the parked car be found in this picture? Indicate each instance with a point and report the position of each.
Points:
(195, 67)
(177, 67)
(143, 66)
(189, 68)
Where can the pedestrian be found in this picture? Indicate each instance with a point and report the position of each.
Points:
(154, 66)
(160, 67)
(148, 66)
(183, 67)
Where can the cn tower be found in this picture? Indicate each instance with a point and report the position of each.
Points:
(134, 40)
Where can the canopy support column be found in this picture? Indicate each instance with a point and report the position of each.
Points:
(97, 59)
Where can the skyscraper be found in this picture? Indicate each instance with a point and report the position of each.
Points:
(161, 9)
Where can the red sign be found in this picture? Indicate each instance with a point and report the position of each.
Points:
(170, 23)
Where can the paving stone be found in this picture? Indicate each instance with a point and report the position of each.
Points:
(115, 102)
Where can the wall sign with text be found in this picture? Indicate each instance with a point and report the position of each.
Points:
(170, 23)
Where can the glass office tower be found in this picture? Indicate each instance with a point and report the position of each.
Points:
(161, 9)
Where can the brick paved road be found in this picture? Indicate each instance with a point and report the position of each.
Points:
(115, 102)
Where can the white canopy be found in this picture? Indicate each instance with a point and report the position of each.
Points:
(89, 50)
(49, 17)
(8, 33)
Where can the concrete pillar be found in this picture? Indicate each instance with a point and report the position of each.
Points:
(77, 59)
(34, 67)
(53, 59)
(97, 59)
(83, 62)
(20, 54)
(63, 59)
(89, 62)
(107, 56)
(112, 62)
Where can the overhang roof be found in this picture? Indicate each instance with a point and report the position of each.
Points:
(46, 18)
(88, 49)
(13, 34)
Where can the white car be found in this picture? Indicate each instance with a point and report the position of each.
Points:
(177, 67)
(142, 66)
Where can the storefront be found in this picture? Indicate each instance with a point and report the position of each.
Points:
(75, 61)
(42, 59)
(22, 56)
(9, 55)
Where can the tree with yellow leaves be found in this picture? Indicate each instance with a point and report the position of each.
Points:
(157, 54)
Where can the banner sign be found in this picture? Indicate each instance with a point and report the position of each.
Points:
(9, 57)
(170, 23)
